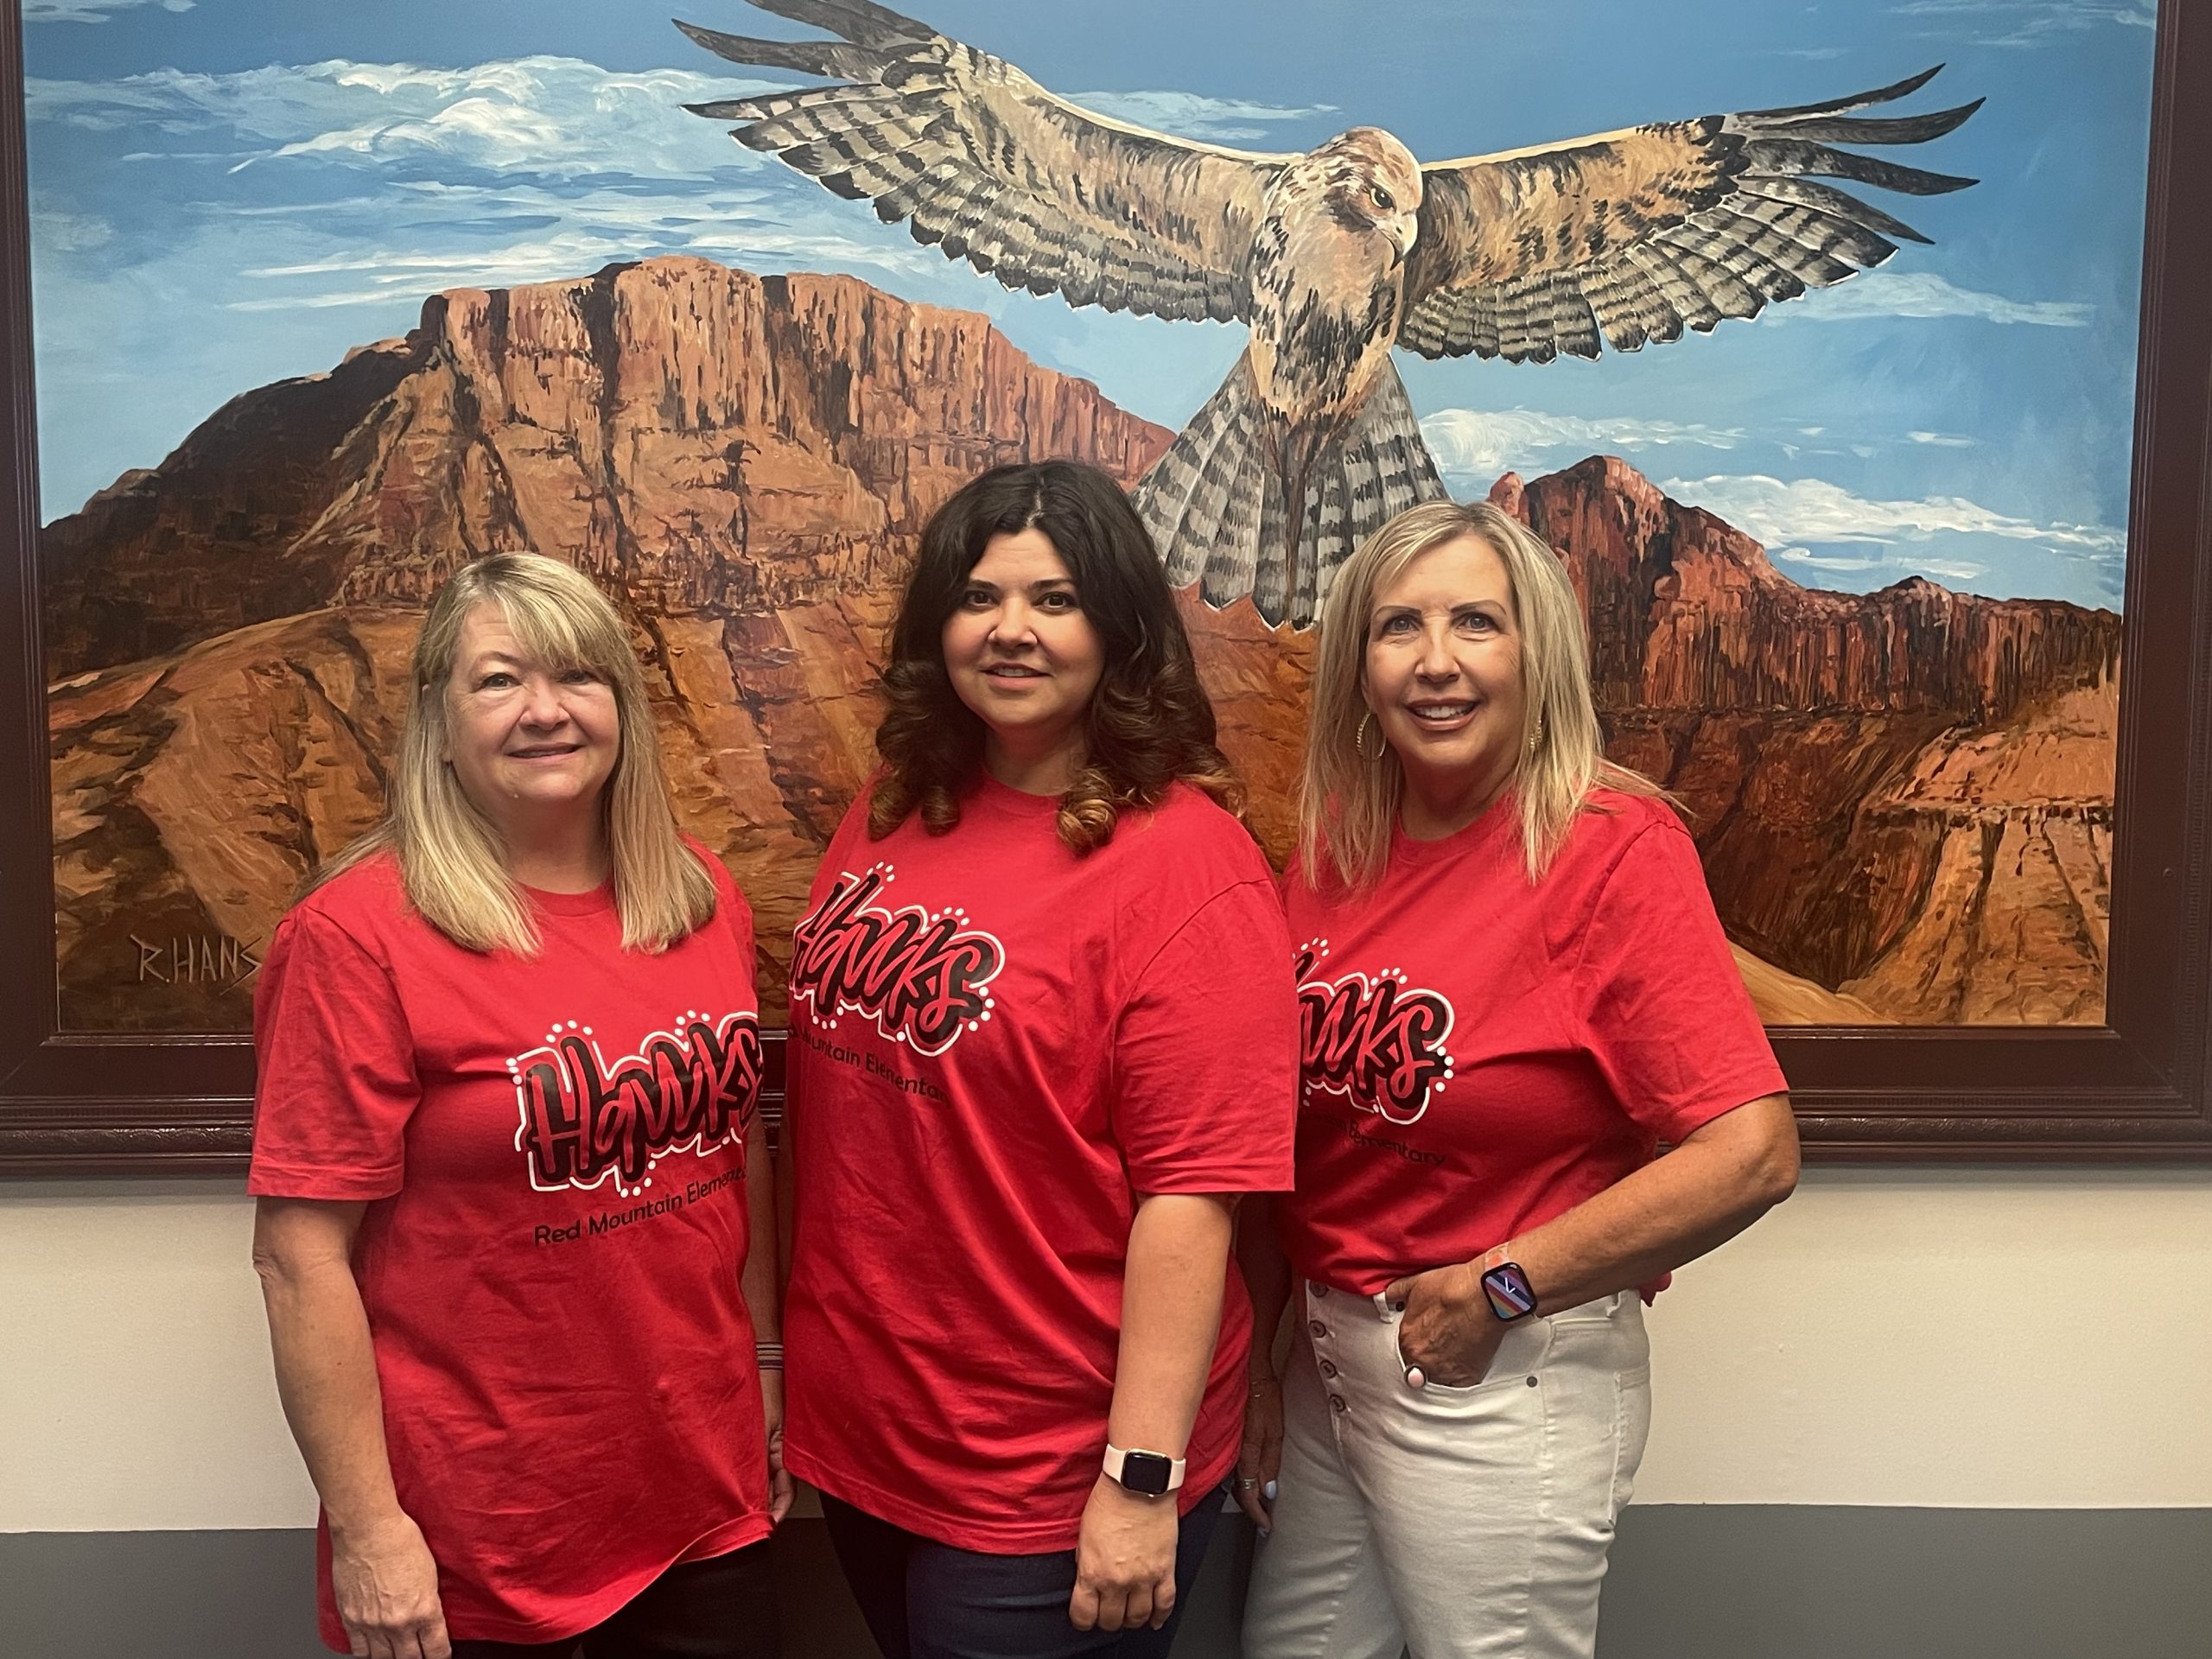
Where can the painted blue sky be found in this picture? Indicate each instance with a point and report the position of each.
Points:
(230, 192)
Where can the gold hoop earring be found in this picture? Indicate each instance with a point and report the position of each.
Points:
(1359, 738)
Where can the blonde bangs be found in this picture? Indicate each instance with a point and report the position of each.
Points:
(557, 633)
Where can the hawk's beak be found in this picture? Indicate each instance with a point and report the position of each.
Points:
(1405, 231)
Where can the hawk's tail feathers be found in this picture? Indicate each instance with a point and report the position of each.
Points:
(1201, 499)
(1215, 502)
(1379, 468)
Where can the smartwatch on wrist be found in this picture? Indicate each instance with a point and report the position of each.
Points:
(1507, 1291)
(1148, 1474)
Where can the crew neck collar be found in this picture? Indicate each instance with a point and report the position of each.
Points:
(1002, 797)
(1499, 819)
(589, 903)
(1005, 798)
(991, 788)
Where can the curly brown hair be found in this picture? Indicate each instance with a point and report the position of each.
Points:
(1149, 724)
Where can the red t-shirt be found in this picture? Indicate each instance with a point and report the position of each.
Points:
(553, 1153)
(996, 1046)
(1481, 1054)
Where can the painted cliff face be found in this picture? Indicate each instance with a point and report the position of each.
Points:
(1903, 797)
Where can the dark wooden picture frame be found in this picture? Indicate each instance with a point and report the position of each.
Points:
(2138, 1089)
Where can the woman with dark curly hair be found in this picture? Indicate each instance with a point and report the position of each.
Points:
(1043, 1034)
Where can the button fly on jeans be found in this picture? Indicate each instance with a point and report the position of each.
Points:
(1317, 1328)
(1337, 1402)
(1328, 1368)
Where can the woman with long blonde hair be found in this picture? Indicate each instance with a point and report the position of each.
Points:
(514, 1228)
(1513, 988)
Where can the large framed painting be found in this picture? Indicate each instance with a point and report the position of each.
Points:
(1855, 360)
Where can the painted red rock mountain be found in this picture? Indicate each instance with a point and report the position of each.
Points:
(1903, 797)
(1906, 795)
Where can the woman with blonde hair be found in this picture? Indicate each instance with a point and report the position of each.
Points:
(1043, 1034)
(1513, 987)
(515, 1247)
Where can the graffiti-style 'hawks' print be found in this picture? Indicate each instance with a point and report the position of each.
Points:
(691, 1088)
(919, 976)
(1377, 1042)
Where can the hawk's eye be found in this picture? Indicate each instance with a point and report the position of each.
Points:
(1381, 197)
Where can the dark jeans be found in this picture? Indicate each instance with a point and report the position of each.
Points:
(722, 1608)
(926, 1601)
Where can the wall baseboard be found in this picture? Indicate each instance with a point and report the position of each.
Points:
(1688, 1581)
(1788, 1581)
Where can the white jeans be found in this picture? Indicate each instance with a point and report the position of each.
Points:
(1453, 1523)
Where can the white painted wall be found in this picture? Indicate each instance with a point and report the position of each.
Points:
(1962, 1337)
(134, 1365)
(1941, 1337)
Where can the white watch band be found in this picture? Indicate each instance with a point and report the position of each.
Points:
(1116, 1455)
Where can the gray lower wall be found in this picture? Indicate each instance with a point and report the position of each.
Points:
(1687, 1582)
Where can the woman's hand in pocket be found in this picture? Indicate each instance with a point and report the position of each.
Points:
(1447, 1333)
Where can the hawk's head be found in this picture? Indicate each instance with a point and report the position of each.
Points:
(1371, 183)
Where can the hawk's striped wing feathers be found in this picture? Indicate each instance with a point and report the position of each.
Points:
(1634, 236)
(984, 162)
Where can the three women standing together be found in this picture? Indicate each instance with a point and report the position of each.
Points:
(1048, 1024)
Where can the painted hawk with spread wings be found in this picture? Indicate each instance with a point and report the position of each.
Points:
(1329, 258)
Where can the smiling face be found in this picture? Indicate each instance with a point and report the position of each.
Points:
(1025, 658)
(530, 745)
(1442, 673)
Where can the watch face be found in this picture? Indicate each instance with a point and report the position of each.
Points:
(1510, 1294)
(1147, 1472)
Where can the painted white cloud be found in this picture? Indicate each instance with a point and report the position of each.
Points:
(606, 232)
(1943, 439)
(1924, 294)
(1805, 555)
(1482, 443)
(91, 11)
(2025, 23)
(70, 232)
(1921, 564)
(1193, 115)
(1956, 569)
(1812, 510)
(557, 117)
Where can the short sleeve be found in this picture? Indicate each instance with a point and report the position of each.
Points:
(335, 1080)
(1206, 1054)
(1663, 1008)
